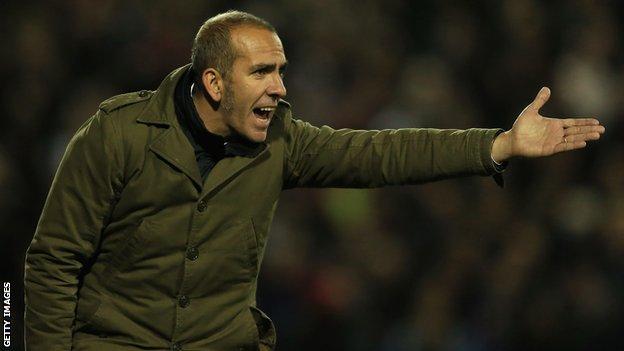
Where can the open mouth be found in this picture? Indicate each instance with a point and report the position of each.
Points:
(263, 113)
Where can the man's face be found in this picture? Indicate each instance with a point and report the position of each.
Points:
(254, 84)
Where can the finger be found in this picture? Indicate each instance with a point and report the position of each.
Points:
(581, 137)
(569, 122)
(583, 130)
(542, 96)
(561, 147)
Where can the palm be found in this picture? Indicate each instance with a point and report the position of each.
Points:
(533, 135)
(536, 135)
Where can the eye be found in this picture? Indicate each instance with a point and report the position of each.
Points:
(262, 71)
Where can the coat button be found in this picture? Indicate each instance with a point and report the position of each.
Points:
(143, 93)
(201, 206)
(176, 347)
(184, 301)
(192, 253)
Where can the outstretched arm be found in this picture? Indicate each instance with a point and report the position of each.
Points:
(533, 135)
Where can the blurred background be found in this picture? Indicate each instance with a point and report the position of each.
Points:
(453, 265)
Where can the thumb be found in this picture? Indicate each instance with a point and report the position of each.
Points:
(542, 96)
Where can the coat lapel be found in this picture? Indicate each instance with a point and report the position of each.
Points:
(173, 147)
(227, 168)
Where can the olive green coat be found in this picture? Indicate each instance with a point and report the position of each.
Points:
(134, 252)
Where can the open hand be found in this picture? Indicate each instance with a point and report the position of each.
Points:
(533, 135)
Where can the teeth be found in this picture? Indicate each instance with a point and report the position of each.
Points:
(266, 109)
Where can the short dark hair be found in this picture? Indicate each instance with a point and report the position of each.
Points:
(212, 47)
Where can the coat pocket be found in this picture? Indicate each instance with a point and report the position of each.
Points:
(132, 242)
(91, 296)
(251, 242)
(94, 297)
(87, 306)
(87, 319)
(267, 336)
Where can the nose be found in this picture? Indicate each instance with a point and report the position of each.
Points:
(276, 88)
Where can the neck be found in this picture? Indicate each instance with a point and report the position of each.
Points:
(212, 119)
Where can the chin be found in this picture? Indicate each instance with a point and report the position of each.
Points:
(257, 137)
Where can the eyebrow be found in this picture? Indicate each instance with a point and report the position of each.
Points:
(269, 66)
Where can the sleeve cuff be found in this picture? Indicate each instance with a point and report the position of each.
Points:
(493, 168)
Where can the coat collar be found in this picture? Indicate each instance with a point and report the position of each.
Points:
(161, 109)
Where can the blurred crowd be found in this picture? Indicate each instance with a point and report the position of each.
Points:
(454, 265)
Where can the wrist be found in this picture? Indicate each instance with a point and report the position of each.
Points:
(501, 147)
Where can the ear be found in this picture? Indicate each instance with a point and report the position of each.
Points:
(213, 83)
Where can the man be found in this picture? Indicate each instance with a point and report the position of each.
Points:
(155, 226)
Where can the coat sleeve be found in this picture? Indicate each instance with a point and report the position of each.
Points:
(326, 157)
(68, 233)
